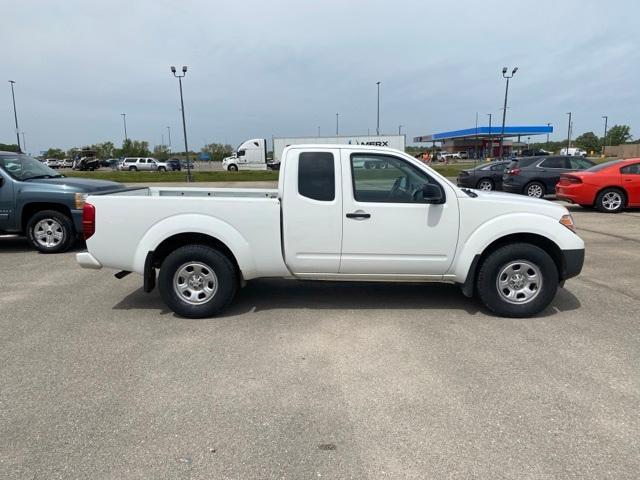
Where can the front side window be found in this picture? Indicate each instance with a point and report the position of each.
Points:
(386, 179)
(580, 163)
(316, 176)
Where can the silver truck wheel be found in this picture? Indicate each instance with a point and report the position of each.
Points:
(195, 283)
(519, 282)
(50, 231)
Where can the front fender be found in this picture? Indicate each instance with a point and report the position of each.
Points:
(196, 223)
(510, 224)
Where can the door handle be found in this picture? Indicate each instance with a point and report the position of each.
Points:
(359, 215)
(628, 180)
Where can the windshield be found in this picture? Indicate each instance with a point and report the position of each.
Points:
(24, 167)
(602, 166)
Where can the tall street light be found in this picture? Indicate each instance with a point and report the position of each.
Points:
(504, 110)
(169, 132)
(124, 121)
(568, 134)
(184, 124)
(24, 143)
(548, 125)
(378, 115)
(15, 115)
(337, 123)
(604, 139)
(490, 139)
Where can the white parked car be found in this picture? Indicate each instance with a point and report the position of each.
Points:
(52, 163)
(573, 152)
(143, 164)
(333, 219)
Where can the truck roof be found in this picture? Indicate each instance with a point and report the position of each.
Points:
(340, 145)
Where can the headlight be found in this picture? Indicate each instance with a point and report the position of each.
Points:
(80, 199)
(567, 221)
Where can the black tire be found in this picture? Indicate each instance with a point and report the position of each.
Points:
(133, 169)
(44, 227)
(513, 254)
(162, 169)
(535, 190)
(232, 168)
(215, 262)
(611, 200)
(487, 183)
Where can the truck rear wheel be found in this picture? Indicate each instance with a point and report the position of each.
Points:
(50, 231)
(197, 281)
(517, 280)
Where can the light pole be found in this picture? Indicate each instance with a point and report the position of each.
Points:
(337, 123)
(15, 114)
(378, 115)
(568, 134)
(184, 124)
(24, 143)
(604, 139)
(490, 139)
(318, 130)
(504, 111)
(124, 121)
(400, 129)
(169, 132)
(547, 145)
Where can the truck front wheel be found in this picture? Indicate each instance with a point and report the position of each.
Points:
(232, 168)
(517, 280)
(197, 281)
(50, 231)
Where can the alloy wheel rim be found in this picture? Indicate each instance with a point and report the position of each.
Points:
(48, 233)
(534, 191)
(519, 282)
(612, 200)
(485, 185)
(195, 283)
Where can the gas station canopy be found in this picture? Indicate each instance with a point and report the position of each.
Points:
(494, 131)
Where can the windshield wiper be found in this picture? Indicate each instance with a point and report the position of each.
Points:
(469, 192)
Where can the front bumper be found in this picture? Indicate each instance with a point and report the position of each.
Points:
(86, 260)
(572, 262)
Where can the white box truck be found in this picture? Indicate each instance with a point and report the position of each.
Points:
(252, 154)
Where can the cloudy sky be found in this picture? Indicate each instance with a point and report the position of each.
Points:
(283, 68)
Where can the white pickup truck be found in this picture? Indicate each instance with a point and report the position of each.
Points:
(333, 219)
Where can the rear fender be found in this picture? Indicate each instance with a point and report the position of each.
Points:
(196, 223)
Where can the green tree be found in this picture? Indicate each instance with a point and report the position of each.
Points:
(589, 141)
(217, 151)
(9, 147)
(133, 148)
(104, 150)
(161, 152)
(56, 153)
(619, 134)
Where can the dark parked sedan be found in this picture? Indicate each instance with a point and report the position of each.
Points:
(538, 176)
(174, 164)
(487, 176)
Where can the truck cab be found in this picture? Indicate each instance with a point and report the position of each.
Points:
(250, 155)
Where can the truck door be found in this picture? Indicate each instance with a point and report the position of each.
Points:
(388, 229)
(7, 201)
(312, 210)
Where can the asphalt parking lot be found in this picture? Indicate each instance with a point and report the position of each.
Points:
(320, 380)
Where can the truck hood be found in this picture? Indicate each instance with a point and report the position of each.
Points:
(511, 202)
(78, 184)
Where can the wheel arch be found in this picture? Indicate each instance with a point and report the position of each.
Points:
(620, 188)
(31, 208)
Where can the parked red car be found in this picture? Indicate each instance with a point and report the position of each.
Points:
(610, 186)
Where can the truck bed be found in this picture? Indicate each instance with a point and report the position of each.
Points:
(129, 223)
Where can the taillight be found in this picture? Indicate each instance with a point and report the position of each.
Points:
(513, 171)
(569, 180)
(88, 220)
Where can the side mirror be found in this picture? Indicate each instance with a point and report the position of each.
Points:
(432, 194)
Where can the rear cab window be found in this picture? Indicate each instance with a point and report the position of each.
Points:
(316, 176)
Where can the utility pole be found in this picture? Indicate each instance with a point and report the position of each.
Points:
(504, 111)
(568, 134)
(547, 145)
(162, 135)
(604, 139)
(184, 123)
(490, 139)
(15, 114)
(475, 143)
(169, 131)
(337, 123)
(378, 115)
(124, 121)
